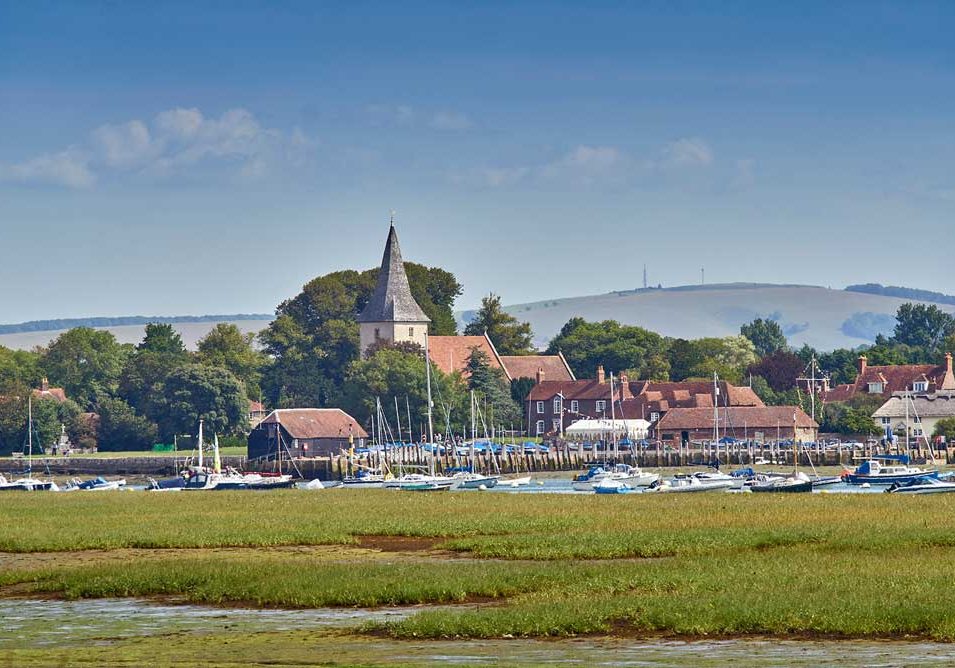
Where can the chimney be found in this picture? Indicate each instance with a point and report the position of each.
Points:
(540, 375)
(863, 362)
(44, 384)
(948, 382)
(600, 374)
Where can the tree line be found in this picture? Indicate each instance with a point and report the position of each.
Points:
(309, 357)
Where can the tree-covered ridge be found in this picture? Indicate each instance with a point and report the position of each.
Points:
(903, 293)
(70, 323)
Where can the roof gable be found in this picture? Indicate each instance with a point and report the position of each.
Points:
(316, 423)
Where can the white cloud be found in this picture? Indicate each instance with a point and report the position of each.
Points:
(123, 145)
(686, 152)
(68, 168)
(587, 165)
(450, 120)
(176, 140)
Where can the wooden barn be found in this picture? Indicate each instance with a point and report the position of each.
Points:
(305, 432)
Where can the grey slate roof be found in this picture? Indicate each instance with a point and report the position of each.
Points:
(392, 300)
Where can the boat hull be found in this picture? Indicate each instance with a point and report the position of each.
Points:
(860, 479)
(783, 487)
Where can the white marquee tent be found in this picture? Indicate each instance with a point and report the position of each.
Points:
(605, 430)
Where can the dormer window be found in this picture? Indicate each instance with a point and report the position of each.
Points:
(876, 388)
(920, 386)
(654, 416)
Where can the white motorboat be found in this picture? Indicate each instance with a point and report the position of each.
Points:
(29, 483)
(691, 484)
(611, 486)
(516, 482)
(98, 484)
(466, 480)
(925, 485)
(628, 475)
(735, 482)
(417, 481)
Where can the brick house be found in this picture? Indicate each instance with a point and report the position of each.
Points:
(762, 423)
(886, 381)
(553, 405)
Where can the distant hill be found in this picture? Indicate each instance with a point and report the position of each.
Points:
(905, 293)
(28, 335)
(824, 318)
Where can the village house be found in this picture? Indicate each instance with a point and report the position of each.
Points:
(885, 381)
(913, 416)
(682, 426)
(57, 394)
(553, 405)
(305, 432)
(450, 354)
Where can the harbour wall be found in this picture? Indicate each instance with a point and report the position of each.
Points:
(557, 459)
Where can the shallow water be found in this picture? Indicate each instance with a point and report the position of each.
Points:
(45, 623)
(58, 624)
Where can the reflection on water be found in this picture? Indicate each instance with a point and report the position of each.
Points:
(50, 624)
(39, 623)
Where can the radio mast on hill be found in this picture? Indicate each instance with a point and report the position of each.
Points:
(645, 277)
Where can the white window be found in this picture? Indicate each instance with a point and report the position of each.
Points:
(875, 388)
(916, 418)
(540, 407)
(574, 406)
(556, 425)
(886, 421)
(921, 386)
(411, 331)
(654, 416)
(540, 427)
(557, 405)
(917, 431)
(601, 406)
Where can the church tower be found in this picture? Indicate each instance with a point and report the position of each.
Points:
(392, 314)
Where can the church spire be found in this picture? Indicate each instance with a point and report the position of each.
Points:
(392, 300)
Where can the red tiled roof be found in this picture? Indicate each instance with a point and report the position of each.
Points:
(754, 417)
(256, 407)
(894, 378)
(316, 423)
(56, 393)
(527, 366)
(451, 353)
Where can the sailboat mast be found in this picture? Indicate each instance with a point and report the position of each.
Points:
(200, 443)
(613, 417)
(427, 364)
(30, 430)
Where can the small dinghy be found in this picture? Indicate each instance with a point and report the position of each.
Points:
(691, 484)
(611, 486)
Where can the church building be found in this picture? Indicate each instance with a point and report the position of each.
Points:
(392, 314)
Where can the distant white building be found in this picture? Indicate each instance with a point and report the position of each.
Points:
(915, 414)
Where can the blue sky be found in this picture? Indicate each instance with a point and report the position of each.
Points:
(173, 158)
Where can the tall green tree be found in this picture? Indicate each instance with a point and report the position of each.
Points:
(493, 391)
(728, 356)
(923, 325)
(394, 372)
(509, 336)
(198, 391)
(767, 336)
(85, 362)
(19, 367)
(121, 429)
(620, 348)
(227, 347)
(781, 370)
(159, 353)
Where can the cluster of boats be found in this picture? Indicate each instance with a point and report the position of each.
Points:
(430, 481)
